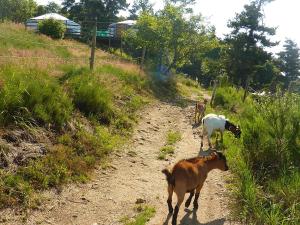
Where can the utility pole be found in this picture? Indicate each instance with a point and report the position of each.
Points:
(93, 47)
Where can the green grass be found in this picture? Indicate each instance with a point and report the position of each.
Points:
(165, 150)
(265, 161)
(172, 137)
(145, 213)
(31, 96)
(93, 113)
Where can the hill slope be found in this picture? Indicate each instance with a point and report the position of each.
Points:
(59, 120)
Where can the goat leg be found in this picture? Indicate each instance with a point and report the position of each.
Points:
(180, 198)
(170, 206)
(197, 194)
(174, 219)
(188, 201)
(196, 205)
(169, 201)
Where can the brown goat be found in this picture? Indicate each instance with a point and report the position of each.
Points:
(189, 175)
(200, 108)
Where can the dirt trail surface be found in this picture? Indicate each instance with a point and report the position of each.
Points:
(136, 174)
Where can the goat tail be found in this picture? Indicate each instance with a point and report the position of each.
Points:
(169, 177)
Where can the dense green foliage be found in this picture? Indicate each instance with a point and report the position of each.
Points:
(104, 10)
(17, 10)
(289, 60)
(248, 39)
(31, 96)
(265, 163)
(53, 28)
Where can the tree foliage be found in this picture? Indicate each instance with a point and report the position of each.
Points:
(290, 61)
(140, 6)
(104, 10)
(248, 39)
(169, 34)
(17, 10)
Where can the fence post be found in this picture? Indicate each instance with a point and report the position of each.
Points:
(143, 58)
(93, 47)
(214, 92)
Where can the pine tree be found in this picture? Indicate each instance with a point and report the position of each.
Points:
(248, 40)
(290, 61)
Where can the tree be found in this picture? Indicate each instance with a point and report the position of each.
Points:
(52, 7)
(17, 10)
(40, 10)
(170, 36)
(290, 61)
(140, 6)
(104, 10)
(247, 40)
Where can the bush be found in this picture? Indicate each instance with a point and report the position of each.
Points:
(91, 98)
(53, 28)
(32, 97)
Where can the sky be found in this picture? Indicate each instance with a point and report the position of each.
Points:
(283, 14)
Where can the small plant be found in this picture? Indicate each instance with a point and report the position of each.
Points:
(53, 28)
(165, 150)
(145, 213)
(172, 138)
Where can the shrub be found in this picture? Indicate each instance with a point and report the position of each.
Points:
(31, 96)
(91, 98)
(52, 28)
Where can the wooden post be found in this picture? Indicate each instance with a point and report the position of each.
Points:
(214, 92)
(143, 58)
(93, 47)
(121, 47)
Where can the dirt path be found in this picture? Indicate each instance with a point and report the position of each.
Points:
(136, 173)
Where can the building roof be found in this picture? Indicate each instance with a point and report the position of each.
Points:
(49, 16)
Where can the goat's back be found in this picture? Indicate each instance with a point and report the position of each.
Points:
(212, 121)
(187, 173)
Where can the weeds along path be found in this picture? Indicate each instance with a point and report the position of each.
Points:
(135, 173)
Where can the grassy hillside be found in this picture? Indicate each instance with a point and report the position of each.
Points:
(67, 117)
(58, 119)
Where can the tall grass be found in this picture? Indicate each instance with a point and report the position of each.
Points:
(265, 162)
(31, 96)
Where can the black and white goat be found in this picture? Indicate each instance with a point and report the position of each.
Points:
(212, 122)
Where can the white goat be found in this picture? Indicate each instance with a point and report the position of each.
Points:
(212, 122)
